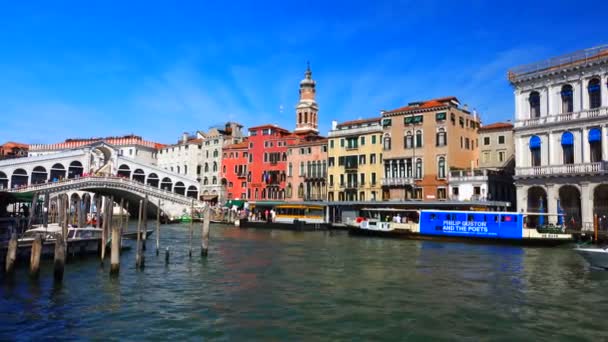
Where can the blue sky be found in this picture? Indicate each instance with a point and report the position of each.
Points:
(158, 69)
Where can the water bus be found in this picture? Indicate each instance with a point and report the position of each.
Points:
(448, 225)
(299, 217)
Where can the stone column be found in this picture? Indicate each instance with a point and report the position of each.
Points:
(550, 101)
(586, 205)
(518, 113)
(584, 94)
(586, 149)
(604, 91)
(551, 143)
(552, 197)
(604, 143)
(544, 102)
(522, 198)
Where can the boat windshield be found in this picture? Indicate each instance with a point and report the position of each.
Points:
(88, 234)
(391, 215)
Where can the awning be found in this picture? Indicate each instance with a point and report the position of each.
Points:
(567, 139)
(534, 142)
(239, 203)
(595, 135)
(17, 197)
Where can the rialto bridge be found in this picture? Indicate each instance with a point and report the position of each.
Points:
(98, 168)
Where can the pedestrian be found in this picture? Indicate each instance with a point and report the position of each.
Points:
(266, 216)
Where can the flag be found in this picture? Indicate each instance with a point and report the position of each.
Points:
(560, 213)
(541, 218)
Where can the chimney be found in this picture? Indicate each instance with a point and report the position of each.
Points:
(185, 137)
(334, 125)
(465, 107)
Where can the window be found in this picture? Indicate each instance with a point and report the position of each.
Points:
(331, 143)
(373, 178)
(595, 97)
(362, 159)
(441, 138)
(331, 161)
(595, 144)
(362, 141)
(486, 141)
(387, 142)
(501, 139)
(568, 147)
(567, 99)
(535, 150)
(289, 170)
(440, 116)
(386, 122)
(418, 168)
(340, 161)
(486, 157)
(441, 167)
(341, 142)
(441, 193)
(418, 138)
(466, 143)
(362, 176)
(455, 191)
(373, 139)
(214, 167)
(501, 156)
(534, 100)
(409, 140)
(372, 158)
(198, 169)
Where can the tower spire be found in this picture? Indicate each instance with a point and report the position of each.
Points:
(307, 108)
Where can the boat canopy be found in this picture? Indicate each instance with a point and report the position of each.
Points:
(239, 203)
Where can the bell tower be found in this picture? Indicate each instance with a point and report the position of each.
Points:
(307, 108)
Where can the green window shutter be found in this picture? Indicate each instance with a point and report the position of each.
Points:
(440, 116)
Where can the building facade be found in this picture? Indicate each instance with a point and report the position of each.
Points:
(234, 170)
(199, 156)
(307, 170)
(561, 133)
(354, 161)
(13, 150)
(421, 143)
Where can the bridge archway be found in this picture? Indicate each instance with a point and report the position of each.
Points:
(57, 172)
(153, 180)
(180, 188)
(166, 184)
(124, 171)
(75, 169)
(19, 178)
(192, 192)
(3, 180)
(139, 175)
(39, 175)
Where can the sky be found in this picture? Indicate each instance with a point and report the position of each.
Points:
(160, 68)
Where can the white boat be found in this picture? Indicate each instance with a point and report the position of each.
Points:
(596, 257)
(81, 240)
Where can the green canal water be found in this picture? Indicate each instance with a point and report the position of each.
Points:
(278, 285)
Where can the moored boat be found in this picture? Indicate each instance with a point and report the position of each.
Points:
(479, 226)
(298, 217)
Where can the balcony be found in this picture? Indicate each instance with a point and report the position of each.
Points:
(358, 130)
(351, 148)
(352, 185)
(469, 176)
(601, 112)
(398, 181)
(241, 175)
(562, 170)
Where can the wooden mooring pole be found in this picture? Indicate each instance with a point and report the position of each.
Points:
(205, 232)
(145, 223)
(595, 228)
(104, 227)
(191, 226)
(60, 251)
(35, 257)
(45, 210)
(115, 252)
(11, 254)
(158, 228)
(139, 257)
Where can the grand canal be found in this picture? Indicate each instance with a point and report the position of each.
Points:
(276, 285)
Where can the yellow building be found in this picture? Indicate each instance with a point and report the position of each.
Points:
(354, 163)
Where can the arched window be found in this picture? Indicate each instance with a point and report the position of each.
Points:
(305, 117)
(595, 96)
(178, 169)
(419, 168)
(300, 117)
(441, 138)
(205, 181)
(289, 190)
(215, 154)
(256, 193)
(441, 167)
(535, 150)
(214, 167)
(595, 144)
(409, 140)
(198, 169)
(290, 171)
(418, 138)
(206, 167)
(387, 142)
(568, 147)
(224, 168)
(534, 100)
(301, 190)
(567, 99)
(214, 181)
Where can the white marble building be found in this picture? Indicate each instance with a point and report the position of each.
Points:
(561, 136)
(200, 155)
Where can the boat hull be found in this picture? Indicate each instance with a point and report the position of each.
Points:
(405, 234)
(300, 226)
(596, 257)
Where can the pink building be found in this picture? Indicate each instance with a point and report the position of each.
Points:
(307, 170)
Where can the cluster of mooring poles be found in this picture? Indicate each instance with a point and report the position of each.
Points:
(111, 233)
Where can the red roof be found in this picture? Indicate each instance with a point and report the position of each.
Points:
(496, 126)
(270, 126)
(439, 102)
(12, 144)
(243, 144)
(358, 122)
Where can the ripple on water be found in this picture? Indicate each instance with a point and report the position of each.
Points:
(272, 285)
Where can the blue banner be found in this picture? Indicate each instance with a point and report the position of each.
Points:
(472, 224)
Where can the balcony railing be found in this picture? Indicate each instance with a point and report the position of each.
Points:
(359, 130)
(398, 181)
(351, 148)
(543, 120)
(560, 170)
(352, 185)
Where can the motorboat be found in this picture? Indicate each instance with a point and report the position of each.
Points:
(80, 240)
(595, 256)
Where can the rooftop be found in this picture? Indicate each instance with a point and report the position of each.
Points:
(357, 122)
(273, 126)
(241, 145)
(577, 58)
(427, 104)
(496, 126)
